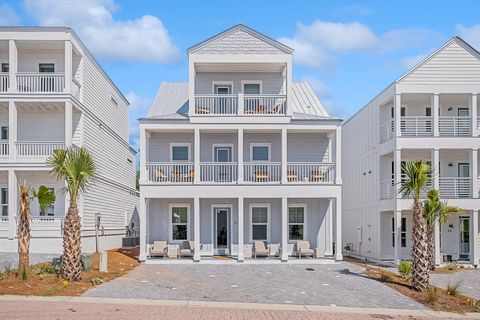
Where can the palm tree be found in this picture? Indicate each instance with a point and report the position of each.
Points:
(45, 199)
(418, 176)
(435, 211)
(75, 166)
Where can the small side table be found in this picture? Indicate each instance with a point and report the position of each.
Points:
(319, 253)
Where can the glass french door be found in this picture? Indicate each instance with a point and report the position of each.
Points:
(464, 252)
(223, 155)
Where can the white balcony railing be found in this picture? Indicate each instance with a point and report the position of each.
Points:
(214, 104)
(4, 150)
(4, 82)
(455, 187)
(170, 172)
(416, 126)
(387, 189)
(455, 126)
(40, 82)
(263, 172)
(46, 227)
(264, 104)
(218, 172)
(387, 131)
(310, 172)
(37, 150)
(4, 227)
(478, 125)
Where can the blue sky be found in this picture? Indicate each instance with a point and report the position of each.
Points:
(348, 50)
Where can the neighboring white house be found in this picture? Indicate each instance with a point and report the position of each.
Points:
(430, 113)
(240, 153)
(54, 94)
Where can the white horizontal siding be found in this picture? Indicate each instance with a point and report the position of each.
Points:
(272, 82)
(159, 145)
(307, 147)
(273, 138)
(41, 126)
(208, 140)
(28, 60)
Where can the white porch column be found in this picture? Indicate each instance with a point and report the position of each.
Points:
(435, 157)
(196, 228)
(143, 154)
(142, 216)
(12, 65)
(398, 171)
(397, 237)
(338, 155)
(68, 123)
(191, 88)
(338, 229)
(328, 230)
(12, 203)
(438, 259)
(475, 238)
(12, 130)
(435, 113)
(241, 253)
(397, 106)
(240, 156)
(474, 114)
(196, 156)
(68, 66)
(473, 155)
(284, 155)
(284, 229)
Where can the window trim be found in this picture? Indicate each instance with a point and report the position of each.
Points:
(54, 62)
(304, 224)
(170, 221)
(259, 82)
(250, 223)
(3, 202)
(181, 144)
(223, 145)
(4, 62)
(221, 84)
(1, 133)
(261, 144)
(401, 232)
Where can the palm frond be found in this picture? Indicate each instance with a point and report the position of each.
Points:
(46, 198)
(418, 175)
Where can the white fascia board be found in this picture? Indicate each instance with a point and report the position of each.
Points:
(438, 142)
(438, 88)
(241, 58)
(467, 204)
(224, 126)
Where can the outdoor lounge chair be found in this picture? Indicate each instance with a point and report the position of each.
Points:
(292, 176)
(303, 249)
(187, 249)
(261, 176)
(159, 249)
(160, 176)
(317, 176)
(260, 249)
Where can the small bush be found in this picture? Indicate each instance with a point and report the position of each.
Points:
(385, 277)
(405, 269)
(23, 273)
(97, 281)
(49, 269)
(452, 289)
(431, 296)
(451, 266)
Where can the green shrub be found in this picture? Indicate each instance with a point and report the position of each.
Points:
(451, 266)
(431, 296)
(405, 269)
(24, 273)
(385, 277)
(452, 289)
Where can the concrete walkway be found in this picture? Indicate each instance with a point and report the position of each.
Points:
(8, 259)
(340, 284)
(468, 280)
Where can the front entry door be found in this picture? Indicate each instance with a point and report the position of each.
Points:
(222, 231)
(464, 238)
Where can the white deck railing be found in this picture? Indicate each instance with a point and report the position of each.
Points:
(4, 227)
(35, 150)
(4, 150)
(303, 172)
(387, 131)
(40, 82)
(264, 104)
(387, 189)
(170, 172)
(455, 187)
(46, 227)
(478, 125)
(455, 126)
(263, 172)
(218, 172)
(4, 82)
(215, 104)
(416, 126)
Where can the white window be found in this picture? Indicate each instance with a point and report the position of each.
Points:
(260, 151)
(222, 87)
(46, 67)
(50, 211)
(4, 201)
(222, 152)
(252, 87)
(5, 67)
(179, 222)
(296, 222)
(260, 222)
(4, 133)
(180, 152)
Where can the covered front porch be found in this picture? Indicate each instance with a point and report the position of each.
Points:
(230, 229)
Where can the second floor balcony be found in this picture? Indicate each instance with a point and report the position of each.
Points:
(240, 104)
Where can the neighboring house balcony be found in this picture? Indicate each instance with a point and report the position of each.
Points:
(455, 174)
(33, 67)
(427, 115)
(305, 158)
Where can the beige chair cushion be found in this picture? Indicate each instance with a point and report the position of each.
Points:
(260, 248)
(159, 248)
(302, 245)
(186, 252)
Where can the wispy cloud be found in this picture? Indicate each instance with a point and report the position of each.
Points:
(470, 34)
(141, 39)
(8, 16)
(139, 106)
(356, 10)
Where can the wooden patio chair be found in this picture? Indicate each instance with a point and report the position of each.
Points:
(160, 176)
(187, 249)
(159, 249)
(317, 176)
(260, 249)
(202, 110)
(261, 176)
(189, 177)
(303, 249)
(292, 176)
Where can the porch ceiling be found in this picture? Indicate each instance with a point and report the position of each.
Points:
(3, 106)
(40, 106)
(40, 45)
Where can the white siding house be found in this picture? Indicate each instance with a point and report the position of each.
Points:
(54, 94)
(239, 153)
(430, 113)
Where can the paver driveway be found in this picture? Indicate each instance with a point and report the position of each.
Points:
(339, 284)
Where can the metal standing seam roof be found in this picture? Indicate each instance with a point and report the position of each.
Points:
(171, 102)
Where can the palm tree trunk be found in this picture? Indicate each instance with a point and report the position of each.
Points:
(23, 233)
(431, 247)
(71, 245)
(419, 249)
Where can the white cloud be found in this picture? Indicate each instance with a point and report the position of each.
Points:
(469, 34)
(410, 62)
(138, 108)
(357, 10)
(320, 88)
(318, 44)
(8, 16)
(142, 39)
